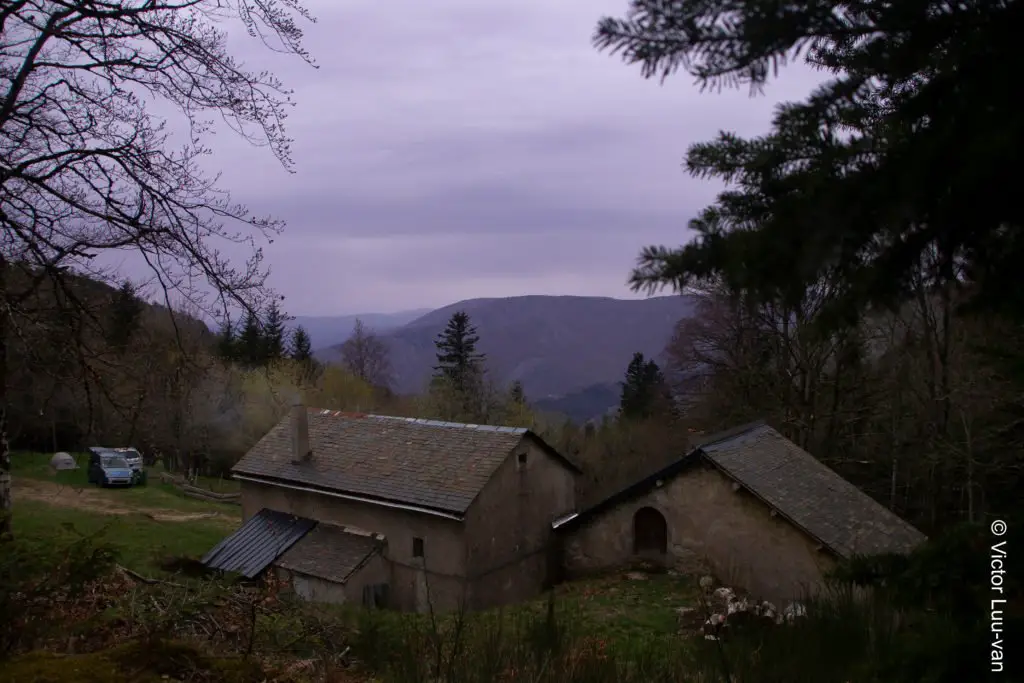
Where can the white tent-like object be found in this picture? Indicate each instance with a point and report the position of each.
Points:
(63, 461)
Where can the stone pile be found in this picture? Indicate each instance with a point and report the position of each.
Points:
(722, 610)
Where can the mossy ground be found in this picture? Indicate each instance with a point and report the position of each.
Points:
(135, 662)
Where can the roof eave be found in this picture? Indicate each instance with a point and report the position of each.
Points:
(241, 475)
(553, 452)
(630, 492)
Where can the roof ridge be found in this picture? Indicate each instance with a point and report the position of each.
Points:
(731, 433)
(454, 425)
(327, 412)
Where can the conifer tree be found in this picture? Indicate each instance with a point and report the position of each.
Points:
(226, 342)
(301, 347)
(644, 391)
(896, 157)
(250, 348)
(125, 315)
(516, 394)
(458, 361)
(273, 334)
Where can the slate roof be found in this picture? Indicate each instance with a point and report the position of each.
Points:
(790, 481)
(435, 465)
(257, 543)
(809, 494)
(331, 552)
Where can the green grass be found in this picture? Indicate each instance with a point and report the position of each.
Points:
(141, 542)
(629, 613)
(155, 495)
(610, 619)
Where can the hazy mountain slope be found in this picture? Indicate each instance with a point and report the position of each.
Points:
(586, 404)
(329, 330)
(555, 345)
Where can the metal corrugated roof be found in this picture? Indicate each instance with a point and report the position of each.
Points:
(257, 543)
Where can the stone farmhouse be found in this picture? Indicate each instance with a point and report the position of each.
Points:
(748, 505)
(419, 514)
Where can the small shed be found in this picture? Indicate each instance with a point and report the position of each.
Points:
(337, 564)
(63, 461)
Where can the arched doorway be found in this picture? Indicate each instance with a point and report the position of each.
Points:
(650, 532)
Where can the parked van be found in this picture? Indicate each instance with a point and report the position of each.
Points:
(131, 456)
(109, 469)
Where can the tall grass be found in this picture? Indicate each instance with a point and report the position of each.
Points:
(541, 646)
(849, 634)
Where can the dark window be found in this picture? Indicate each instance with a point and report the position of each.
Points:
(522, 458)
(417, 547)
(650, 532)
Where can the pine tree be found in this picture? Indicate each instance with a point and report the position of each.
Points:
(125, 315)
(457, 359)
(301, 347)
(516, 394)
(645, 391)
(273, 334)
(250, 347)
(838, 187)
(514, 410)
(227, 344)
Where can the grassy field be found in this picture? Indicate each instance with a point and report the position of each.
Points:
(147, 524)
(142, 543)
(36, 466)
(626, 616)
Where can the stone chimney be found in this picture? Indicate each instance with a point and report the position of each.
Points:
(301, 451)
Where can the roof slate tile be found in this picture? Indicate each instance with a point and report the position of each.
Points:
(436, 465)
(811, 495)
(330, 552)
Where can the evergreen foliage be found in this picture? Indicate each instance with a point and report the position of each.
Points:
(250, 346)
(516, 393)
(644, 391)
(125, 315)
(300, 347)
(908, 150)
(458, 361)
(273, 333)
(226, 341)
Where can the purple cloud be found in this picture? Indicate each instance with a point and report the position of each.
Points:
(454, 149)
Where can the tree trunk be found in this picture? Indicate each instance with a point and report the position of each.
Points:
(5, 450)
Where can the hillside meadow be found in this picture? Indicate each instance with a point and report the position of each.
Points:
(101, 583)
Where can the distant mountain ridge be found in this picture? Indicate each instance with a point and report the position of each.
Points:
(556, 346)
(329, 330)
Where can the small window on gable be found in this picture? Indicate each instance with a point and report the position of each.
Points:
(521, 457)
(417, 547)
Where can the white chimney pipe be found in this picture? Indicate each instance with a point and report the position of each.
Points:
(301, 451)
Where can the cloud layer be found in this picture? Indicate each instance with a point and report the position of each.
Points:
(457, 148)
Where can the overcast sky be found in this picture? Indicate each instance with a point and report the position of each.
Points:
(454, 149)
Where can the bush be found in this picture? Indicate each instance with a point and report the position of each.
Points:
(920, 618)
(34, 578)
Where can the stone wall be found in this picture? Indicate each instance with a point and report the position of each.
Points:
(508, 527)
(712, 525)
(437, 579)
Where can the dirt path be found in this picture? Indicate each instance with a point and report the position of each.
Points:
(98, 500)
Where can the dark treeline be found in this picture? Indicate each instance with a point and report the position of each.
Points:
(263, 339)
